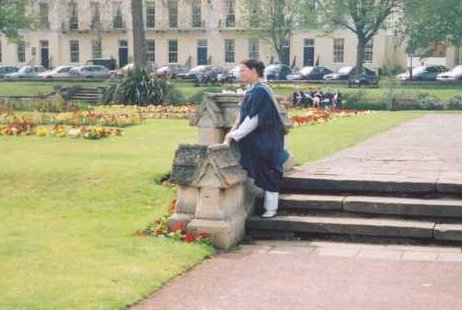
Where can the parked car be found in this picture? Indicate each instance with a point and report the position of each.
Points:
(90, 72)
(309, 73)
(171, 70)
(423, 73)
(452, 75)
(56, 73)
(233, 74)
(4, 70)
(108, 63)
(26, 72)
(199, 70)
(345, 73)
(277, 72)
(150, 67)
(367, 78)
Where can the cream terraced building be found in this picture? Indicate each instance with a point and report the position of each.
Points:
(177, 31)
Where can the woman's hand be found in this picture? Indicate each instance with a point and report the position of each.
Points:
(228, 138)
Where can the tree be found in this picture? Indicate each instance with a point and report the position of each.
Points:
(363, 17)
(431, 21)
(16, 15)
(273, 21)
(139, 35)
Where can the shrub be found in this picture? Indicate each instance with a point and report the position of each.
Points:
(138, 87)
(455, 103)
(198, 98)
(429, 103)
(175, 97)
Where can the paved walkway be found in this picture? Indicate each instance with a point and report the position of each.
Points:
(319, 275)
(324, 275)
(426, 149)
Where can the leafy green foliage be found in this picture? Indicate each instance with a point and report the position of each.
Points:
(16, 15)
(138, 87)
(429, 21)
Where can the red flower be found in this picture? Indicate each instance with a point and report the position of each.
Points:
(204, 235)
(190, 237)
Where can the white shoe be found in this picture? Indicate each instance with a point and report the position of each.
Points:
(269, 214)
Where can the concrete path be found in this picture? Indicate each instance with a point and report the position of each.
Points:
(426, 149)
(319, 275)
(326, 275)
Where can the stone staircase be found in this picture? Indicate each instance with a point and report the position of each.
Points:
(91, 95)
(364, 210)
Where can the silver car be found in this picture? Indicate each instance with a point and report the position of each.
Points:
(27, 72)
(90, 72)
(57, 73)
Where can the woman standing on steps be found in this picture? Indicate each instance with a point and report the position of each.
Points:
(260, 135)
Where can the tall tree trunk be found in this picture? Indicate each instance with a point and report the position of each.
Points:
(138, 33)
(360, 56)
(456, 55)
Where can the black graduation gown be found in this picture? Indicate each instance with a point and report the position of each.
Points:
(262, 151)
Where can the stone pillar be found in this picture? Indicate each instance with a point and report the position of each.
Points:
(211, 192)
(214, 193)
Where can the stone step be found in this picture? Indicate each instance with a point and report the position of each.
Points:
(377, 205)
(407, 187)
(385, 228)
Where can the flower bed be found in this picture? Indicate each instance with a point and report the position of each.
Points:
(160, 229)
(316, 116)
(29, 129)
(153, 111)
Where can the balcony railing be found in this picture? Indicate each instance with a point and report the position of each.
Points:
(182, 26)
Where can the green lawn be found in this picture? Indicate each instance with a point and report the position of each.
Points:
(69, 209)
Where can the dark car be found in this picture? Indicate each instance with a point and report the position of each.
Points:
(309, 73)
(423, 73)
(277, 72)
(199, 71)
(367, 78)
(344, 74)
(109, 63)
(7, 70)
(171, 70)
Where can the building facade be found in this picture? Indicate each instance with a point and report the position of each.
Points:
(177, 31)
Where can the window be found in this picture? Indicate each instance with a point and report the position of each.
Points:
(230, 13)
(21, 52)
(74, 16)
(254, 49)
(43, 9)
(150, 14)
(173, 13)
(339, 50)
(95, 14)
(118, 22)
(196, 14)
(369, 51)
(229, 50)
(150, 50)
(74, 48)
(96, 48)
(172, 51)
